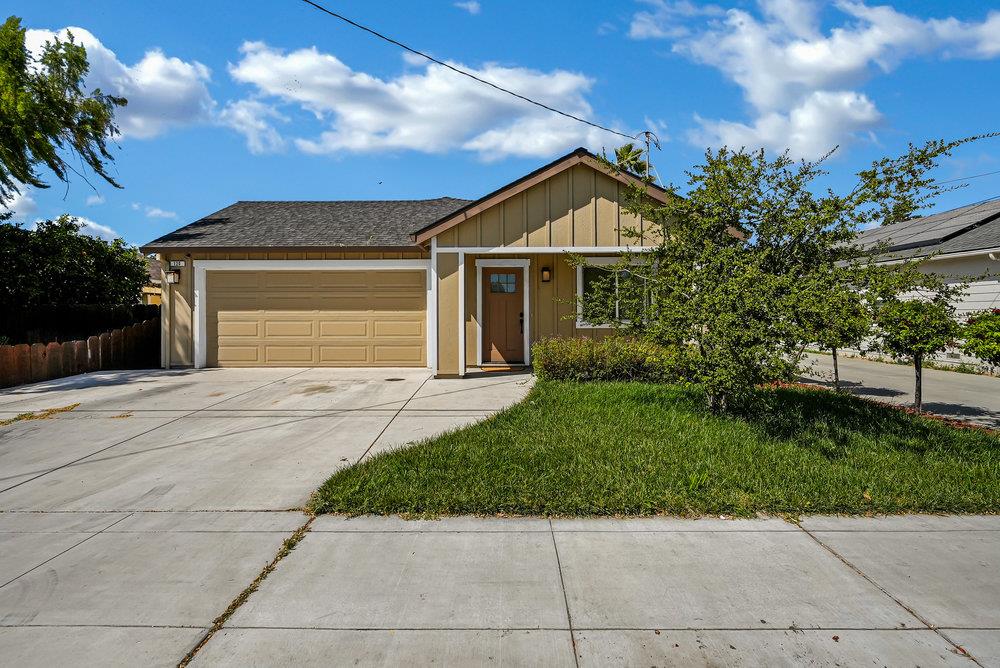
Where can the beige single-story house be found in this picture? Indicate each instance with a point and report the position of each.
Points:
(450, 284)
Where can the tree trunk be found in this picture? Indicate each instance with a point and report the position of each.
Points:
(836, 370)
(918, 363)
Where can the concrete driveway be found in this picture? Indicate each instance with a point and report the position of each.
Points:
(133, 521)
(963, 396)
(130, 521)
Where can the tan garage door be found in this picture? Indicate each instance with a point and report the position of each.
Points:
(316, 318)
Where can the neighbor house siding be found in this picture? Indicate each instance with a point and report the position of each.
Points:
(579, 207)
(983, 292)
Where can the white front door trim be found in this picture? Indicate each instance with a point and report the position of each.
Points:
(201, 298)
(525, 265)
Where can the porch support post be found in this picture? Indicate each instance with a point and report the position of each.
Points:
(461, 313)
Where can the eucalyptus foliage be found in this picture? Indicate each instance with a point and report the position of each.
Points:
(46, 115)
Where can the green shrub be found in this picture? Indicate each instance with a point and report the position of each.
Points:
(612, 358)
(982, 336)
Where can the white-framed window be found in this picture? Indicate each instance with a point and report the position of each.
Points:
(588, 274)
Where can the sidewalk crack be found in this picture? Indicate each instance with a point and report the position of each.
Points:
(961, 651)
(562, 584)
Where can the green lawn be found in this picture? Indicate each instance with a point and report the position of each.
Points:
(636, 449)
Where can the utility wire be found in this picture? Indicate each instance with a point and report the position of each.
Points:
(464, 73)
(966, 178)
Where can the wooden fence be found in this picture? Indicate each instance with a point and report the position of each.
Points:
(133, 347)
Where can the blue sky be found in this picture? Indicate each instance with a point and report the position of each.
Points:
(273, 100)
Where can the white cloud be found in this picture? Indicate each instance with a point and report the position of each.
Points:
(429, 108)
(667, 18)
(799, 79)
(162, 91)
(93, 229)
(810, 129)
(252, 119)
(472, 6)
(22, 206)
(156, 212)
(95, 200)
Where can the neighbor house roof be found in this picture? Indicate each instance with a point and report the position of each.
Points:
(962, 230)
(378, 223)
(575, 157)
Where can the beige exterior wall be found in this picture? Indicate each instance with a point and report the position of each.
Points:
(177, 314)
(551, 308)
(447, 310)
(577, 207)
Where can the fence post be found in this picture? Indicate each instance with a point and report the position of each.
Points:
(7, 367)
(22, 362)
(117, 350)
(53, 360)
(94, 353)
(107, 362)
(67, 356)
(38, 367)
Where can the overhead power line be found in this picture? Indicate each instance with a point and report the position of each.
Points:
(966, 178)
(464, 73)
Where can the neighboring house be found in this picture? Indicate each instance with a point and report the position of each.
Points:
(958, 244)
(151, 291)
(445, 283)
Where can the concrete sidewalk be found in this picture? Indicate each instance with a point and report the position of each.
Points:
(467, 591)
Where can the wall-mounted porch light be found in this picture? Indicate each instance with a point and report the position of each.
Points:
(546, 274)
(173, 276)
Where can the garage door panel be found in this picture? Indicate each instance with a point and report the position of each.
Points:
(343, 304)
(289, 354)
(249, 328)
(276, 301)
(289, 328)
(237, 353)
(288, 279)
(401, 280)
(344, 328)
(225, 280)
(311, 318)
(398, 303)
(398, 355)
(345, 355)
(406, 328)
(352, 280)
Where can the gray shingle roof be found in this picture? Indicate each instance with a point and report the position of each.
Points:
(381, 223)
(968, 228)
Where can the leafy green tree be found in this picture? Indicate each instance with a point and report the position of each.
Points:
(982, 336)
(746, 253)
(56, 264)
(45, 114)
(840, 318)
(915, 328)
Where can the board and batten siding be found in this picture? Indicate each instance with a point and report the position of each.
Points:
(579, 207)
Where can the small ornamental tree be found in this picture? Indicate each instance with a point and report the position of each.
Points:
(915, 328)
(982, 336)
(839, 318)
(744, 255)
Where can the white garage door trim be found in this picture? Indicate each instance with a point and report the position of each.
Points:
(200, 291)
